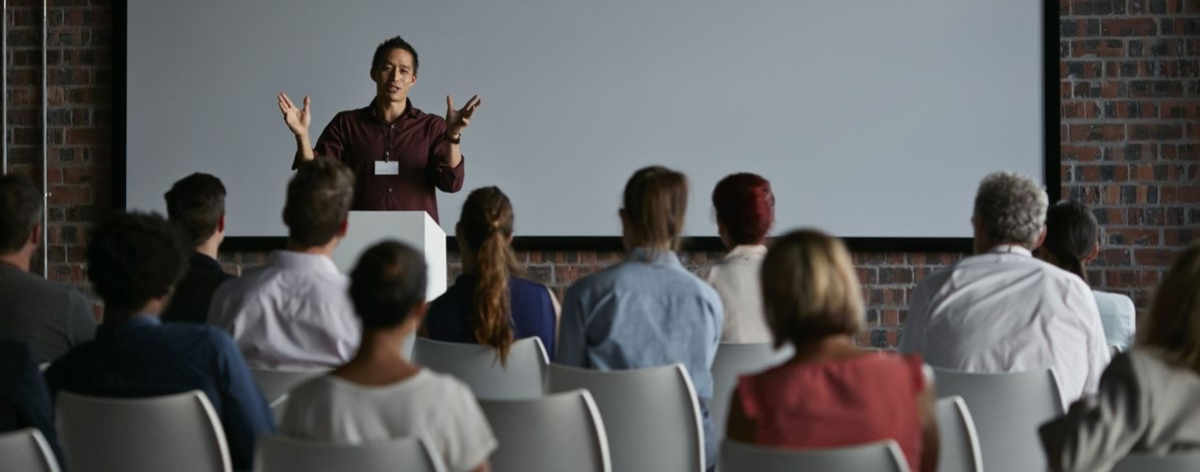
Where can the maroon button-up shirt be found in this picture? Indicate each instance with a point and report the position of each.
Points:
(416, 140)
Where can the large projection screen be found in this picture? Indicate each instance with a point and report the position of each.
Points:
(871, 118)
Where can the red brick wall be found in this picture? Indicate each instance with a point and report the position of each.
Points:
(1130, 125)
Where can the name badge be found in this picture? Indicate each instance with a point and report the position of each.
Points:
(387, 168)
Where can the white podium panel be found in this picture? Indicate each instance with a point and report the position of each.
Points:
(414, 228)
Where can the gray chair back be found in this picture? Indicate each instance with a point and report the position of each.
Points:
(883, 456)
(1007, 409)
(1179, 462)
(26, 450)
(569, 421)
(959, 442)
(479, 367)
(652, 416)
(176, 433)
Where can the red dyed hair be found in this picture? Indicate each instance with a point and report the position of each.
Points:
(745, 206)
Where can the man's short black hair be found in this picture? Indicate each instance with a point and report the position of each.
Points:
(196, 203)
(135, 257)
(319, 197)
(387, 283)
(20, 211)
(397, 42)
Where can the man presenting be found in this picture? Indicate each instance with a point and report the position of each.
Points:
(399, 154)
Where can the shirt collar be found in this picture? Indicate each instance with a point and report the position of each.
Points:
(747, 250)
(203, 260)
(370, 111)
(298, 260)
(1010, 249)
(654, 256)
(138, 321)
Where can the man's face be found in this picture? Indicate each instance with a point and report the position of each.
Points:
(394, 76)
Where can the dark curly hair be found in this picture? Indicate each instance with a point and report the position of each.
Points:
(134, 258)
(387, 283)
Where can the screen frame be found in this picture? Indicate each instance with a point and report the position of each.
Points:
(1052, 162)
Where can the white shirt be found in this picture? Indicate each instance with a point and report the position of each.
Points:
(292, 313)
(1117, 314)
(736, 279)
(1005, 311)
(435, 406)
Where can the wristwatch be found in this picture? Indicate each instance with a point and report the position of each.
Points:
(454, 140)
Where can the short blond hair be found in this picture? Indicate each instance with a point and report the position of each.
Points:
(1173, 327)
(810, 290)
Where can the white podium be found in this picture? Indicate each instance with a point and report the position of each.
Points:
(414, 228)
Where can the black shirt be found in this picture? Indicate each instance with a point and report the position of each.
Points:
(194, 293)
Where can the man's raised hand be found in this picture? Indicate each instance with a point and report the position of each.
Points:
(297, 119)
(457, 120)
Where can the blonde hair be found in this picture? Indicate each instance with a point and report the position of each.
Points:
(810, 290)
(1173, 327)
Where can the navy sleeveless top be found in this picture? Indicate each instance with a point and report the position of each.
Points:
(532, 312)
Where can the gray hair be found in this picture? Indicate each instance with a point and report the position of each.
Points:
(1011, 208)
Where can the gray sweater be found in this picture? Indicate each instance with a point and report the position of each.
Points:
(1144, 405)
(51, 317)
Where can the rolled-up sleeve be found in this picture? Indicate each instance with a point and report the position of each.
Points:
(445, 178)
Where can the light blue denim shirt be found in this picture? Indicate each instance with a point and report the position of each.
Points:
(647, 311)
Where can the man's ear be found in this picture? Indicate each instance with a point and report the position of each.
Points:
(1040, 239)
(343, 227)
(35, 236)
(1094, 254)
(221, 224)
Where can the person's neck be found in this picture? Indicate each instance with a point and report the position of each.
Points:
(829, 347)
(390, 111)
(19, 259)
(210, 248)
(379, 359)
(151, 309)
(322, 250)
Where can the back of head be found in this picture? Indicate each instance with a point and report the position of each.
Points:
(1173, 327)
(745, 207)
(1071, 234)
(196, 203)
(655, 204)
(318, 201)
(20, 211)
(1010, 209)
(134, 258)
(810, 290)
(386, 284)
(484, 230)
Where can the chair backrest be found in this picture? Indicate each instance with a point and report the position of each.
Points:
(548, 434)
(651, 416)
(275, 384)
(281, 454)
(734, 360)
(26, 450)
(883, 456)
(179, 433)
(959, 442)
(478, 366)
(1178, 462)
(1007, 409)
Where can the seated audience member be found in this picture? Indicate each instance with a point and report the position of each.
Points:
(745, 211)
(1073, 240)
(51, 317)
(293, 312)
(847, 395)
(379, 395)
(488, 304)
(134, 260)
(1002, 310)
(1148, 396)
(24, 402)
(647, 311)
(197, 205)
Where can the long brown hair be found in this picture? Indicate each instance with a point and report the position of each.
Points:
(483, 231)
(1071, 234)
(655, 204)
(1173, 327)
